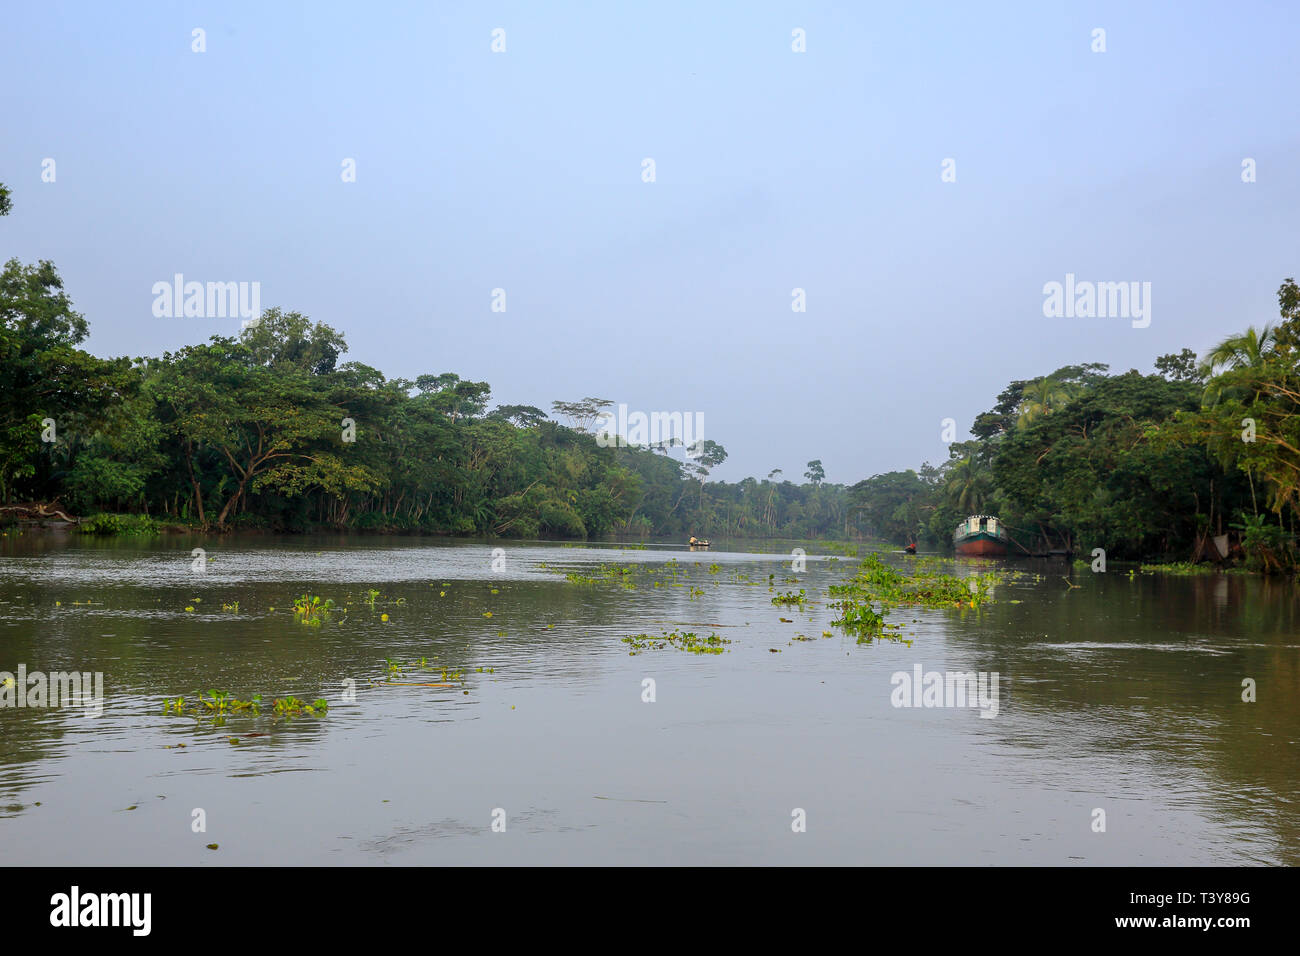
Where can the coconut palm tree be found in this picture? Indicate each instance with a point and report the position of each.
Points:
(1042, 397)
(1247, 350)
(966, 485)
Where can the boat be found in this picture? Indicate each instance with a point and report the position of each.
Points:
(698, 542)
(980, 535)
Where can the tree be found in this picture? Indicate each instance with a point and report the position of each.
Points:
(45, 376)
(1243, 350)
(290, 340)
(1235, 366)
(1180, 367)
(524, 416)
(1041, 397)
(892, 504)
(815, 473)
(705, 455)
(582, 415)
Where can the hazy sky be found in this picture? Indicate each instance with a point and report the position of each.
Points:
(774, 170)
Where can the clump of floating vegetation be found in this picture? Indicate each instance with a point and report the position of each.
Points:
(1179, 567)
(218, 705)
(681, 640)
(624, 575)
(860, 618)
(293, 707)
(446, 675)
(370, 597)
(792, 599)
(848, 550)
(628, 576)
(931, 564)
(211, 704)
(877, 580)
(312, 610)
(865, 600)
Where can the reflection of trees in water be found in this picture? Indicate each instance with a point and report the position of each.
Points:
(1170, 698)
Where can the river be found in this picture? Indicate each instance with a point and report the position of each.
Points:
(1117, 693)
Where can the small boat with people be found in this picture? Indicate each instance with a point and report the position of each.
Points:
(699, 542)
(980, 535)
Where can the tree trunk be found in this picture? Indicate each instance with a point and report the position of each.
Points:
(194, 483)
(230, 503)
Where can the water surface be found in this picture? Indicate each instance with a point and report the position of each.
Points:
(1122, 694)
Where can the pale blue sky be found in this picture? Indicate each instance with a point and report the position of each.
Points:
(775, 170)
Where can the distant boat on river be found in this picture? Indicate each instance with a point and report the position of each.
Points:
(980, 535)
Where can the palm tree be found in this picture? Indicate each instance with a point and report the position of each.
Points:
(966, 485)
(1247, 350)
(1042, 397)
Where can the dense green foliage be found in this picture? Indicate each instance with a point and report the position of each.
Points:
(1141, 465)
(272, 429)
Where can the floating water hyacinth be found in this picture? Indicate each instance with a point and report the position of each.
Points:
(219, 705)
(292, 706)
(312, 610)
(681, 640)
(791, 599)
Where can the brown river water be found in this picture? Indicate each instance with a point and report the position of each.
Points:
(1121, 695)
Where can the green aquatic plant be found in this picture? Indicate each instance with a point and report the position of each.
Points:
(878, 581)
(858, 617)
(1179, 567)
(865, 599)
(687, 641)
(399, 669)
(312, 610)
(293, 707)
(848, 550)
(214, 703)
(792, 599)
(931, 564)
(114, 524)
